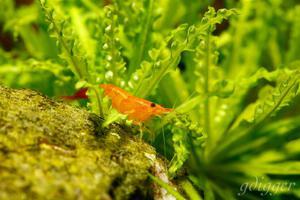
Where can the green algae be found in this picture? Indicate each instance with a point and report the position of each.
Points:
(51, 150)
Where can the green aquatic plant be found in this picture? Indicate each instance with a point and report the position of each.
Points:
(231, 74)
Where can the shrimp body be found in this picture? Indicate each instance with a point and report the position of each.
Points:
(137, 109)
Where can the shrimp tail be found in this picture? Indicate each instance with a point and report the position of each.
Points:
(80, 94)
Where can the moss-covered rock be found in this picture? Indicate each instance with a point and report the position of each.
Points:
(51, 150)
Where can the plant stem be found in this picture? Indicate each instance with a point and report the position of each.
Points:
(98, 101)
(206, 90)
(167, 187)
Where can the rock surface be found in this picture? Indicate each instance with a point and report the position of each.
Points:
(51, 150)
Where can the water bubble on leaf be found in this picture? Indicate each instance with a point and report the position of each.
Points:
(133, 6)
(130, 84)
(108, 65)
(105, 46)
(109, 75)
(109, 58)
(222, 113)
(117, 40)
(136, 77)
(200, 66)
(122, 83)
(224, 106)
(157, 64)
(202, 44)
(217, 119)
(126, 20)
(108, 29)
(202, 80)
(177, 123)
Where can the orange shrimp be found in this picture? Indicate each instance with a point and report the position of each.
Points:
(137, 109)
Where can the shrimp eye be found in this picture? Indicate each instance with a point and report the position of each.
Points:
(152, 105)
